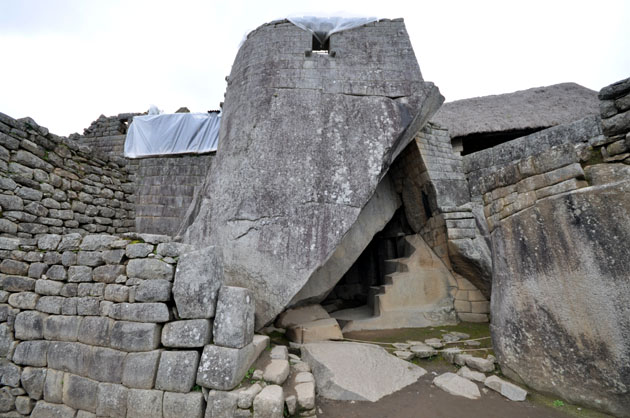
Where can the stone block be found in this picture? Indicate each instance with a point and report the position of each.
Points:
(141, 312)
(97, 242)
(189, 405)
(48, 287)
(36, 270)
(507, 389)
(107, 273)
(111, 400)
(457, 385)
(149, 269)
(44, 409)
(88, 306)
(62, 328)
(53, 386)
(69, 357)
(24, 405)
(69, 306)
(187, 334)
(50, 304)
(69, 242)
(246, 396)
(140, 250)
(234, 321)
(116, 293)
(198, 277)
(7, 400)
(269, 403)
(79, 274)
(276, 371)
(140, 369)
(223, 368)
(143, 403)
(9, 373)
(481, 364)
(472, 317)
(31, 353)
(91, 289)
(95, 330)
(105, 365)
(177, 371)
(23, 300)
(33, 379)
(29, 325)
(135, 336)
(221, 404)
(320, 330)
(48, 242)
(14, 267)
(79, 392)
(154, 291)
(16, 283)
(90, 258)
(113, 256)
(305, 393)
(173, 249)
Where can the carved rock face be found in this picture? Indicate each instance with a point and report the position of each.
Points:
(304, 143)
(560, 296)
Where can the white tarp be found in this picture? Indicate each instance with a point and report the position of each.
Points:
(174, 133)
(323, 27)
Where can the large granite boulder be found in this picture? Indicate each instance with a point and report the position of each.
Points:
(305, 144)
(561, 296)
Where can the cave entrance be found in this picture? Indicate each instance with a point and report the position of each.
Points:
(357, 286)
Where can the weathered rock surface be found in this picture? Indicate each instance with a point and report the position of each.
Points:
(457, 385)
(358, 372)
(560, 296)
(304, 152)
(507, 389)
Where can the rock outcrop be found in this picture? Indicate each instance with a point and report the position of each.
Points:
(560, 295)
(298, 187)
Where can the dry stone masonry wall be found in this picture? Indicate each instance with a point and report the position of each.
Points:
(107, 134)
(104, 325)
(50, 184)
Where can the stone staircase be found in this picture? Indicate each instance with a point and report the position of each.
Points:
(415, 293)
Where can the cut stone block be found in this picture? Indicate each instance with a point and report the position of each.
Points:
(33, 379)
(457, 385)
(139, 369)
(105, 364)
(53, 386)
(246, 396)
(279, 352)
(354, 371)
(24, 405)
(62, 328)
(301, 315)
(177, 371)
(9, 373)
(234, 320)
(111, 400)
(49, 410)
(135, 336)
(305, 393)
(320, 330)
(507, 389)
(276, 371)
(69, 357)
(149, 269)
(465, 372)
(223, 368)
(144, 403)
(189, 405)
(221, 404)
(198, 277)
(31, 353)
(481, 364)
(140, 312)
(29, 325)
(269, 403)
(187, 334)
(79, 392)
(154, 291)
(95, 330)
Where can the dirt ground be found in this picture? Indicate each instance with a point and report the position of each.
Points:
(423, 400)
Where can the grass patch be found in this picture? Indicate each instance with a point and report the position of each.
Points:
(567, 408)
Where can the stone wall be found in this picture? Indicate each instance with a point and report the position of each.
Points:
(165, 187)
(50, 184)
(615, 112)
(113, 326)
(107, 134)
(430, 179)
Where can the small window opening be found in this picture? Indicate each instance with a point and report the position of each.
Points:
(319, 46)
(426, 205)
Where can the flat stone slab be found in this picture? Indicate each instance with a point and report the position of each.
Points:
(457, 385)
(300, 315)
(320, 330)
(357, 372)
(507, 389)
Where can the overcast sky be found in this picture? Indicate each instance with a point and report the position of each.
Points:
(65, 62)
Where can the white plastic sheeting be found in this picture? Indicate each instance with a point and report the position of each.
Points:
(323, 27)
(174, 133)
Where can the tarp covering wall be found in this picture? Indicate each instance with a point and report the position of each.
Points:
(176, 133)
(323, 27)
